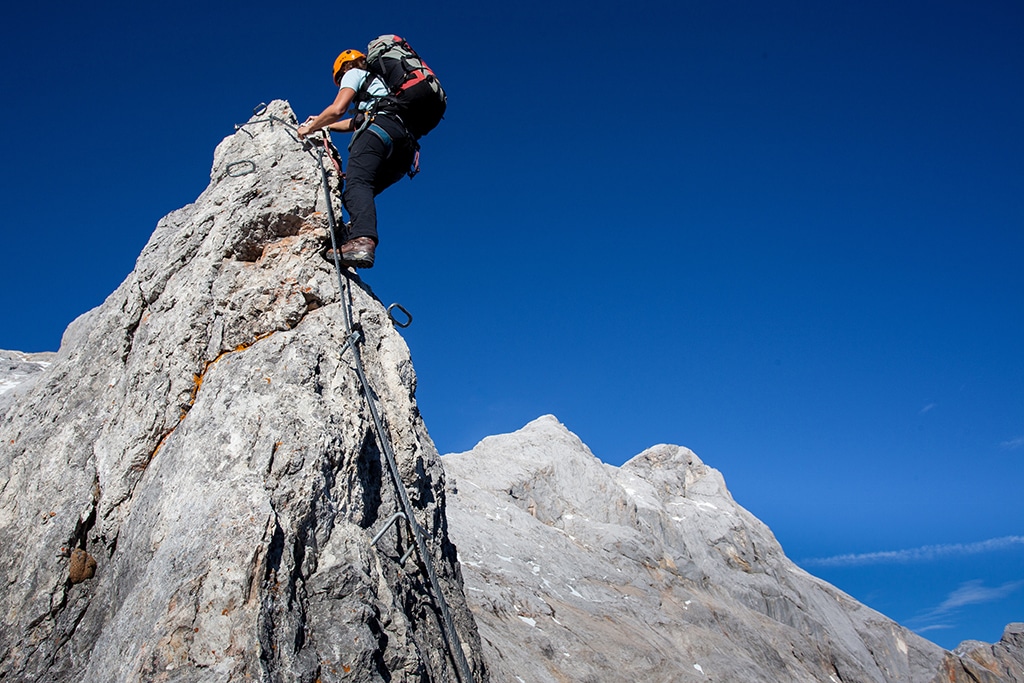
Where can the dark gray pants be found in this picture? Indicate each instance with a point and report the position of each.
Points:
(373, 166)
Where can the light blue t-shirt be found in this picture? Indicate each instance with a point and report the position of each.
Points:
(353, 78)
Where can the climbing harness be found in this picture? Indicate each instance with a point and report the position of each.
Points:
(364, 120)
(384, 137)
(352, 342)
(368, 125)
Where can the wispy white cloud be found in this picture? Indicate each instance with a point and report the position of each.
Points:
(926, 409)
(926, 553)
(976, 593)
(1013, 444)
(969, 593)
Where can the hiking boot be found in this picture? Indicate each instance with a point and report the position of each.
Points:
(356, 252)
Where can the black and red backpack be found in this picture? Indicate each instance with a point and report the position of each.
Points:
(416, 95)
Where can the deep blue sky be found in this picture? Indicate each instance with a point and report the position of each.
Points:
(789, 236)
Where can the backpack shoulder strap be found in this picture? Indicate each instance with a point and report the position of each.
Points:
(364, 88)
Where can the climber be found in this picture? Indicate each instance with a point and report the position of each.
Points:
(380, 153)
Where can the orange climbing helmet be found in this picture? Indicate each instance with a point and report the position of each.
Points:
(343, 59)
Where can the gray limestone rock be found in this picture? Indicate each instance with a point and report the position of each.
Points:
(580, 571)
(19, 370)
(1002, 658)
(189, 491)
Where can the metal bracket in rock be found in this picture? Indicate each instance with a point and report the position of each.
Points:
(387, 525)
(405, 312)
(247, 166)
(259, 110)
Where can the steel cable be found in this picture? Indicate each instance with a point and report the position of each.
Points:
(354, 336)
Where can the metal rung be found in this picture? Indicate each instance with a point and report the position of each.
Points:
(387, 525)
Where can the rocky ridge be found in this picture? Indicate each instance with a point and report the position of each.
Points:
(190, 490)
(580, 571)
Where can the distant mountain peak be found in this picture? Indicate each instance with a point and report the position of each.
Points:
(577, 570)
